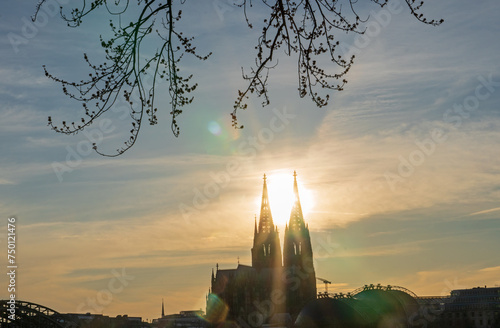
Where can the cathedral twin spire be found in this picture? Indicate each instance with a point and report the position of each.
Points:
(266, 224)
(296, 216)
(266, 251)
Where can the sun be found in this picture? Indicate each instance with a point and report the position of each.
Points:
(281, 197)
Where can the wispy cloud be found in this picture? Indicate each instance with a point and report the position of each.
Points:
(486, 211)
(4, 181)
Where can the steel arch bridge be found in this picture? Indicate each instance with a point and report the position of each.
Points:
(366, 287)
(388, 287)
(30, 315)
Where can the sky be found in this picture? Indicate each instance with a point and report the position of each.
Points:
(399, 174)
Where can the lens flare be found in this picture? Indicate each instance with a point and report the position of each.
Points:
(214, 128)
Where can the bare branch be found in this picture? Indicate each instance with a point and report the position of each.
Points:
(124, 76)
(305, 28)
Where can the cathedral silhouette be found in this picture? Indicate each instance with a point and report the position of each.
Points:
(275, 288)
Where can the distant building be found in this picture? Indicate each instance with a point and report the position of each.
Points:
(183, 319)
(464, 308)
(89, 320)
(272, 291)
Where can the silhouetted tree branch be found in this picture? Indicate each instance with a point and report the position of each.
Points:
(305, 28)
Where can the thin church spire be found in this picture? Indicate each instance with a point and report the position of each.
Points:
(296, 216)
(266, 224)
(266, 250)
(297, 253)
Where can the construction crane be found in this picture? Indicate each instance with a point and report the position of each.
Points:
(326, 284)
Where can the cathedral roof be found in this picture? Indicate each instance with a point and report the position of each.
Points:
(231, 273)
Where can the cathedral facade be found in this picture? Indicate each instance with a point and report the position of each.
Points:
(277, 285)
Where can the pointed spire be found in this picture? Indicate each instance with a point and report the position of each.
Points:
(296, 216)
(266, 250)
(266, 219)
(162, 308)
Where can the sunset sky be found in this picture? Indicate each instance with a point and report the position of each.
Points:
(399, 175)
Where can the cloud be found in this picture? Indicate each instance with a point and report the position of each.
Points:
(486, 211)
(442, 282)
(22, 78)
(351, 166)
(4, 181)
(409, 249)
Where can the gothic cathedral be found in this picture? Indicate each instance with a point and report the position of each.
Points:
(275, 287)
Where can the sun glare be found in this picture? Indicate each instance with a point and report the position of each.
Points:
(281, 198)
